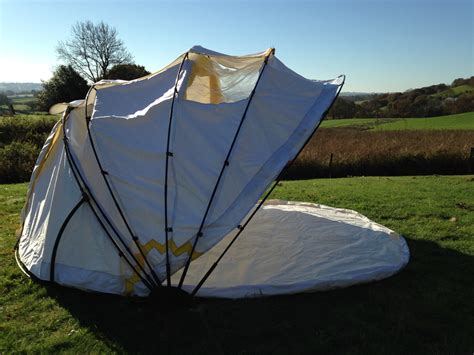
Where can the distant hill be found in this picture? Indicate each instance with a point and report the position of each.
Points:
(455, 91)
(358, 96)
(429, 101)
(19, 88)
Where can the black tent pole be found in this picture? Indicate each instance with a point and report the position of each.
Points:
(168, 155)
(265, 197)
(85, 190)
(224, 165)
(109, 188)
(89, 196)
(52, 264)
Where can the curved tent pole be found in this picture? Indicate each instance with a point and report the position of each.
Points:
(109, 188)
(224, 165)
(52, 264)
(168, 155)
(265, 197)
(85, 190)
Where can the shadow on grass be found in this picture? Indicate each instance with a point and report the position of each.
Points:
(427, 308)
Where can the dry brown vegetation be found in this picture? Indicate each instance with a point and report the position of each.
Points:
(357, 153)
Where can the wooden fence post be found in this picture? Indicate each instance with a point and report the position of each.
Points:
(330, 165)
(471, 161)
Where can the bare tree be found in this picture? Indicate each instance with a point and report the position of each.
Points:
(93, 49)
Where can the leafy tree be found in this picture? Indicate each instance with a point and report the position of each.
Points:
(458, 82)
(464, 103)
(65, 85)
(93, 49)
(4, 100)
(127, 72)
(342, 108)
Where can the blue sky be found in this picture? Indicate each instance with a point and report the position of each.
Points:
(380, 45)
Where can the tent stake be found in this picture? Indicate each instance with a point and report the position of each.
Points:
(265, 197)
(225, 164)
(168, 155)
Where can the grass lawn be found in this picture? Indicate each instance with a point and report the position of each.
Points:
(427, 308)
(462, 121)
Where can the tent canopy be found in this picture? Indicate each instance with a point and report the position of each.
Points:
(144, 176)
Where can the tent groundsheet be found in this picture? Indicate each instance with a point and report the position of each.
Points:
(294, 247)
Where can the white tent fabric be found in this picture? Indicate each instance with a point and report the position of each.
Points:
(294, 247)
(191, 147)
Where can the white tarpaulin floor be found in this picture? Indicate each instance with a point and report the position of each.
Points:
(293, 247)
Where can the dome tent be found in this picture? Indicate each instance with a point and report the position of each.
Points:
(142, 177)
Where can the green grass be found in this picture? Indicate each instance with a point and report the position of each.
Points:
(426, 308)
(349, 122)
(24, 100)
(21, 105)
(456, 91)
(462, 121)
(31, 117)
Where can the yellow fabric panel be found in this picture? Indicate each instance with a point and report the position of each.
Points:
(161, 248)
(206, 82)
(54, 141)
(214, 89)
(214, 79)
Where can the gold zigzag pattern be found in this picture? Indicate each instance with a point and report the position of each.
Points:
(161, 248)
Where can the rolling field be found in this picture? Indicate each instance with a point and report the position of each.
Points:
(358, 152)
(350, 122)
(364, 150)
(456, 91)
(426, 308)
(462, 121)
(21, 104)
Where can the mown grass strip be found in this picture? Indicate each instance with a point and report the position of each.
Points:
(461, 121)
